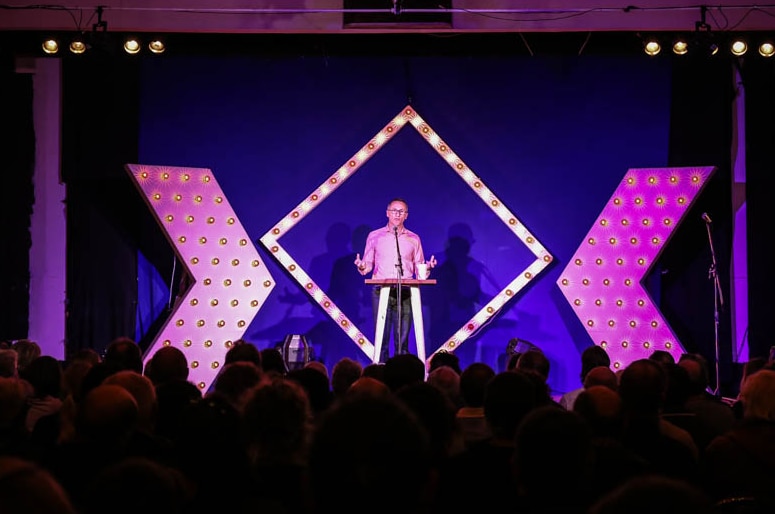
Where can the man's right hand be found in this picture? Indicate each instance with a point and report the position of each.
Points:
(359, 264)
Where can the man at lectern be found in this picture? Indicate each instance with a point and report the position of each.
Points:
(393, 252)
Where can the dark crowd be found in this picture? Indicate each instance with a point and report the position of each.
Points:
(107, 433)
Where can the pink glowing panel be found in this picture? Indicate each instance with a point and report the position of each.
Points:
(408, 115)
(603, 280)
(229, 281)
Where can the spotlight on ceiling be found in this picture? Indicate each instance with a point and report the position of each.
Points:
(157, 46)
(50, 46)
(652, 47)
(77, 46)
(766, 49)
(680, 46)
(738, 47)
(131, 45)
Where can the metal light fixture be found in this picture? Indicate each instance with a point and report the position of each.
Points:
(78, 46)
(766, 49)
(738, 47)
(50, 46)
(652, 47)
(132, 45)
(157, 46)
(680, 46)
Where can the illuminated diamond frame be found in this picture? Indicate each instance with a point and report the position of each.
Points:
(407, 115)
(603, 282)
(230, 281)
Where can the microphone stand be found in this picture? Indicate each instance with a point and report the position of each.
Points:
(400, 273)
(718, 300)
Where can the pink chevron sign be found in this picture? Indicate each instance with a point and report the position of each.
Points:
(603, 280)
(230, 282)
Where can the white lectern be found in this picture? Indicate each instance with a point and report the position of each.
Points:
(384, 294)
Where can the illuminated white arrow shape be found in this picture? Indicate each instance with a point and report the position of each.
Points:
(603, 280)
(229, 281)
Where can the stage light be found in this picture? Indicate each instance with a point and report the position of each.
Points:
(132, 46)
(157, 46)
(766, 49)
(738, 47)
(50, 46)
(680, 47)
(652, 47)
(77, 46)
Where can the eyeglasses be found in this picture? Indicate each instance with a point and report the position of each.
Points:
(400, 212)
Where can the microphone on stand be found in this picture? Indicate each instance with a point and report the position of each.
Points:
(706, 218)
(398, 253)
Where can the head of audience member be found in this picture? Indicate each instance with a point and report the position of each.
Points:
(642, 387)
(375, 370)
(535, 360)
(445, 358)
(593, 357)
(316, 385)
(447, 380)
(173, 398)
(508, 397)
(319, 367)
(758, 396)
(436, 412)
(142, 390)
(89, 355)
(124, 353)
(139, 485)
(273, 363)
(212, 453)
(94, 377)
(44, 374)
(678, 389)
(603, 376)
(166, 364)
(243, 350)
(236, 381)
(9, 360)
(26, 487)
(368, 386)
(345, 372)
(107, 415)
(278, 423)
(663, 357)
(473, 383)
(363, 443)
(13, 400)
(28, 351)
(554, 446)
(601, 408)
(696, 367)
(403, 369)
(654, 493)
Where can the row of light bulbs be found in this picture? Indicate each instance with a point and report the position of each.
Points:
(681, 46)
(131, 46)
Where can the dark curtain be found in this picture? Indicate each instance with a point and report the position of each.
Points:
(17, 151)
(759, 81)
(701, 135)
(99, 136)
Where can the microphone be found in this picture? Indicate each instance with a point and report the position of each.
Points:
(706, 218)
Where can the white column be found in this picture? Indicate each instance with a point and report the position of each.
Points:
(48, 230)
